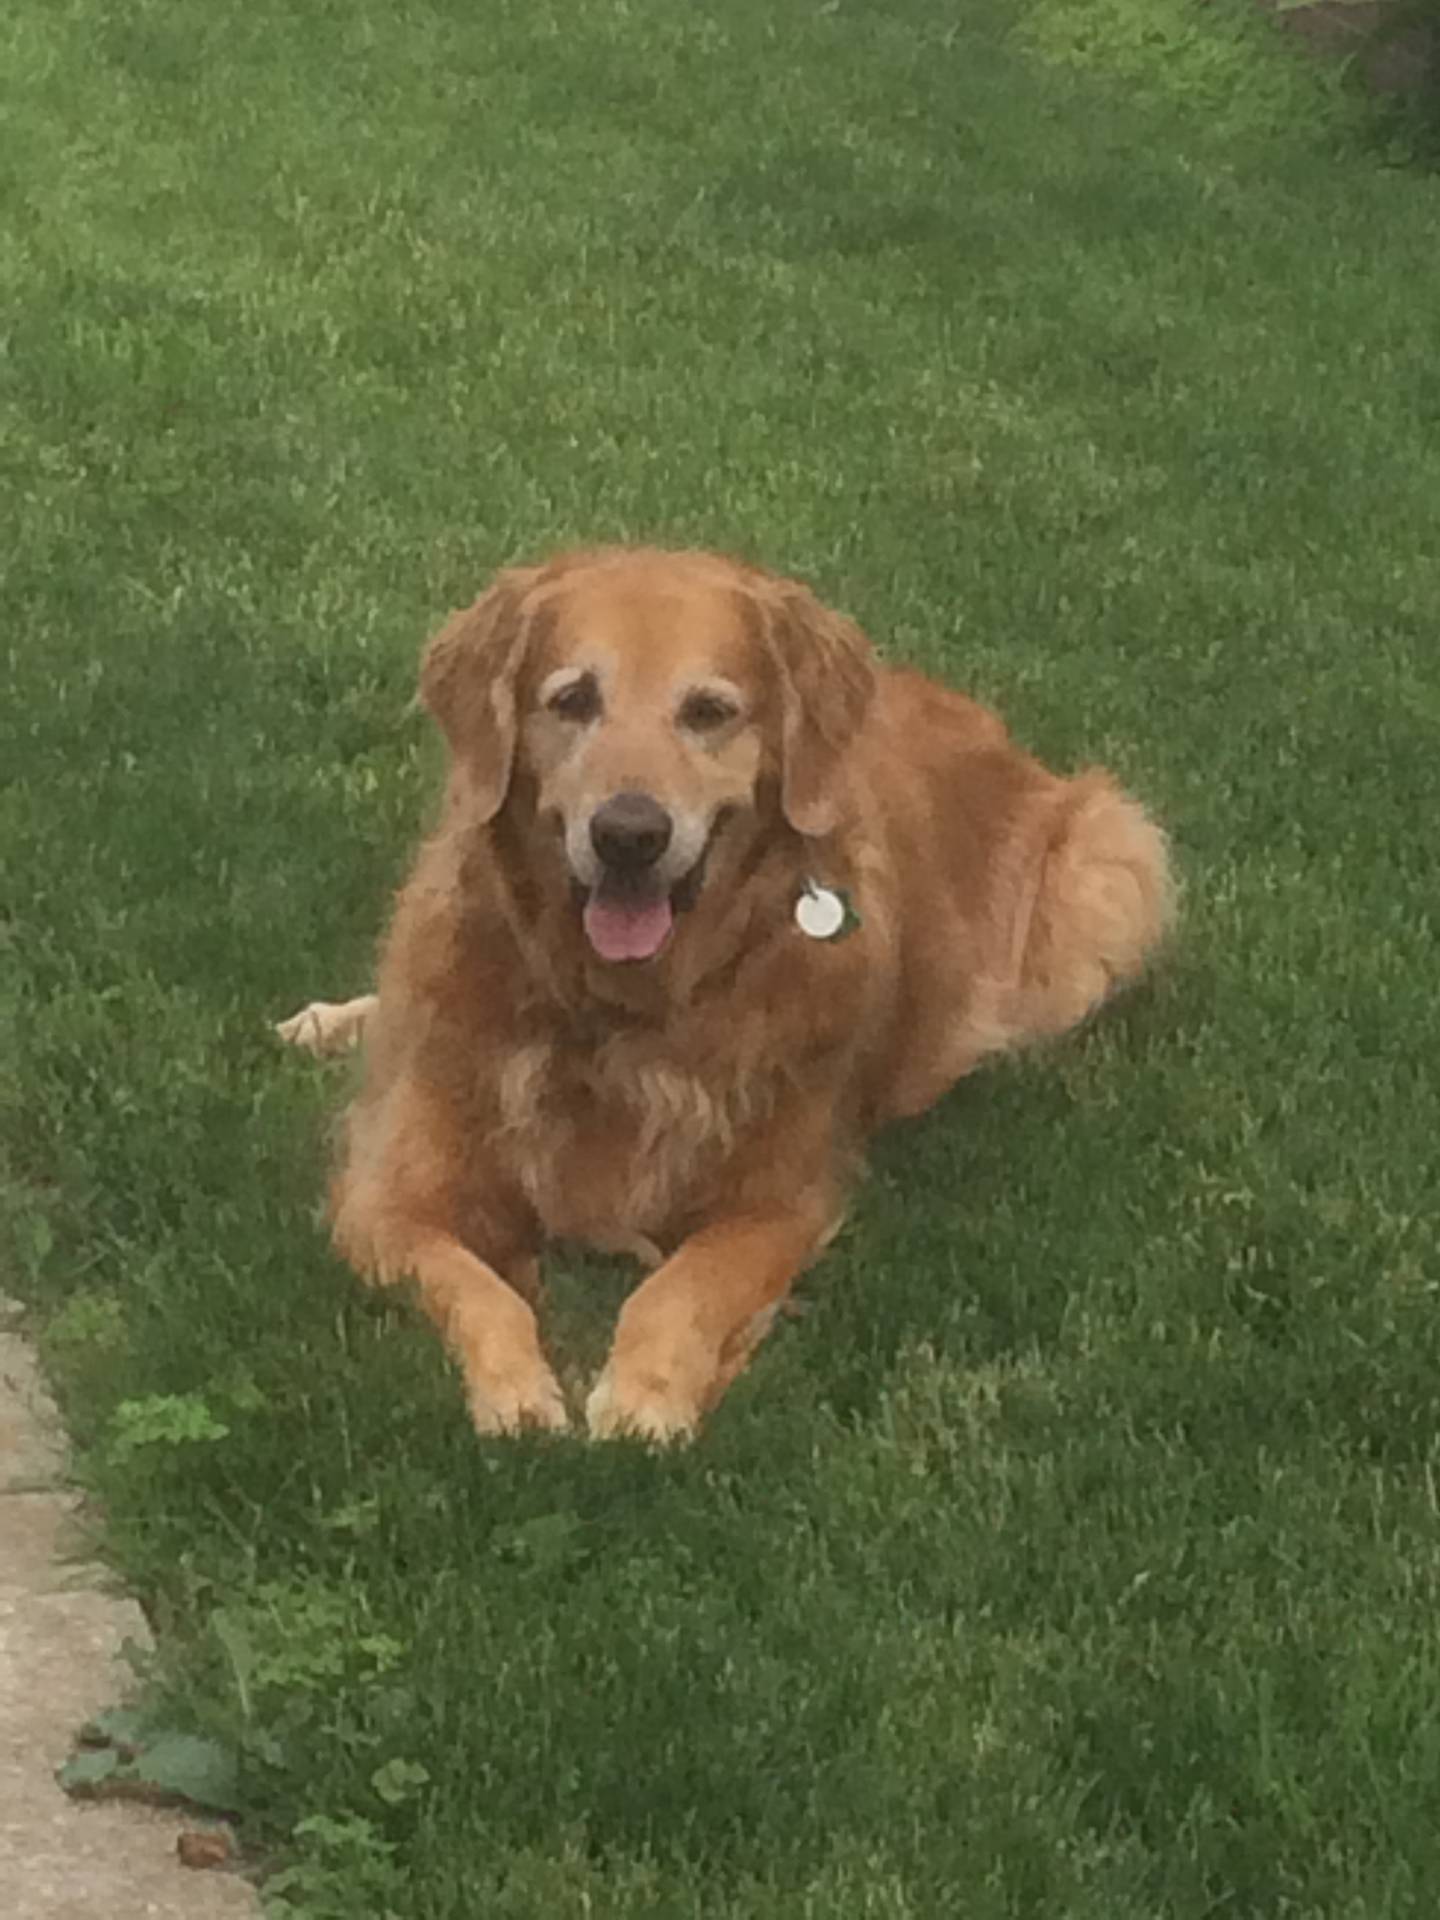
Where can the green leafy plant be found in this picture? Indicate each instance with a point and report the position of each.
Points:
(124, 1754)
(88, 1320)
(344, 1869)
(399, 1781)
(295, 1638)
(161, 1421)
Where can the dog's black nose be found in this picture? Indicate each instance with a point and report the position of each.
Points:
(630, 832)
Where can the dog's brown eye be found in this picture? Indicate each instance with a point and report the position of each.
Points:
(704, 712)
(580, 700)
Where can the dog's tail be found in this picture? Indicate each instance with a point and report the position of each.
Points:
(1104, 900)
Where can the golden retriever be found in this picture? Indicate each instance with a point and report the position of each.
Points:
(714, 895)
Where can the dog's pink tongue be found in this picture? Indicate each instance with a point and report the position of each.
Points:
(627, 929)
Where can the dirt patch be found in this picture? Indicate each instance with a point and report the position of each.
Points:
(1395, 53)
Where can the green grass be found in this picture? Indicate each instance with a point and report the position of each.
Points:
(1077, 1556)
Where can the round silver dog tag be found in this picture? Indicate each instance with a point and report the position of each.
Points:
(819, 912)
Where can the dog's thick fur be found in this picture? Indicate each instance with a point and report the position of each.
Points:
(706, 1107)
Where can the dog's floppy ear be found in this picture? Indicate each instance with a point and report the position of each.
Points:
(467, 681)
(826, 672)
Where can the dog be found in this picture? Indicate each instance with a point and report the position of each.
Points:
(714, 895)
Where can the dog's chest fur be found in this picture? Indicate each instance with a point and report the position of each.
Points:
(615, 1143)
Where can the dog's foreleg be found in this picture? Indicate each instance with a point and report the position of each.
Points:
(491, 1330)
(690, 1329)
(395, 1211)
(494, 1335)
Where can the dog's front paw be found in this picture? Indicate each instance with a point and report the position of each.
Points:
(643, 1403)
(493, 1334)
(511, 1406)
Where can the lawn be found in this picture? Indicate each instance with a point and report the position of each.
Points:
(1077, 1555)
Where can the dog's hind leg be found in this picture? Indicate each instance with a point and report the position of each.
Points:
(328, 1026)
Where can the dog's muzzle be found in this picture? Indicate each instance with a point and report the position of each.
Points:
(628, 915)
(630, 833)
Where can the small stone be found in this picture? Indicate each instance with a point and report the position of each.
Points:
(207, 1847)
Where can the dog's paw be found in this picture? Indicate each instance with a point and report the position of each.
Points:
(327, 1026)
(508, 1407)
(642, 1408)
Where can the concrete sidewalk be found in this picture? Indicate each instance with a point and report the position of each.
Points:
(60, 1636)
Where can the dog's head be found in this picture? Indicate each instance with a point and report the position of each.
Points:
(644, 704)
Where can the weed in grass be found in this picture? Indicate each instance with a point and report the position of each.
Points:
(344, 1867)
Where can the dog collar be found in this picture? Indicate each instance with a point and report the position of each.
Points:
(825, 913)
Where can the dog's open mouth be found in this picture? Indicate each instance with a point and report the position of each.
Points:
(631, 918)
(624, 923)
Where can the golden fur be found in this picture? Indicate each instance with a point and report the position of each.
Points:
(704, 1108)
